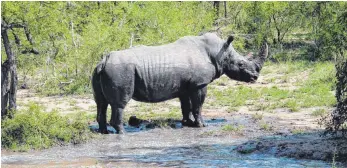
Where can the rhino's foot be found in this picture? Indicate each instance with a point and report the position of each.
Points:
(188, 123)
(120, 132)
(199, 124)
(119, 129)
(103, 131)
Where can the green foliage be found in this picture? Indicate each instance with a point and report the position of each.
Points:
(72, 36)
(35, 129)
(232, 128)
(329, 29)
(337, 121)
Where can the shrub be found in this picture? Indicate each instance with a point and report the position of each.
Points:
(35, 129)
(338, 118)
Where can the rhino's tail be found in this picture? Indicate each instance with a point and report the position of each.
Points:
(101, 65)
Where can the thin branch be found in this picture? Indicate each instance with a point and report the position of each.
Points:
(28, 35)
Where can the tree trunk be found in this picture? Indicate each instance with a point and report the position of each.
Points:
(8, 68)
(5, 69)
(225, 9)
(216, 8)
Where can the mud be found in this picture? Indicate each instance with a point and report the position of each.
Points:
(307, 145)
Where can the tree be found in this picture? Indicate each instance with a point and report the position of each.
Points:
(328, 25)
(9, 77)
(284, 17)
(8, 71)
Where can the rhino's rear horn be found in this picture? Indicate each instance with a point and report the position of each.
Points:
(264, 50)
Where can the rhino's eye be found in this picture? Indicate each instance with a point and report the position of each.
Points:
(257, 68)
(241, 65)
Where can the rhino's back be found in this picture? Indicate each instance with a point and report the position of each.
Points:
(163, 72)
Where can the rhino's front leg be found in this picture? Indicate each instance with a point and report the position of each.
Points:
(186, 109)
(197, 99)
(116, 118)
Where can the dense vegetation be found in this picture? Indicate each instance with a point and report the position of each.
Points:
(61, 42)
(56, 45)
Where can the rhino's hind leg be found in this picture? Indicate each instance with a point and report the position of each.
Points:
(101, 117)
(101, 103)
(118, 84)
(197, 99)
(186, 109)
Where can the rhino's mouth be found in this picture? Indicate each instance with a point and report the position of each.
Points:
(253, 79)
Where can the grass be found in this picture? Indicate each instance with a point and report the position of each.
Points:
(232, 128)
(33, 128)
(257, 116)
(313, 86)
(154, 111)
(208, 133)
(319, 112)
(265, 126)
(297, 131)
(72, 102)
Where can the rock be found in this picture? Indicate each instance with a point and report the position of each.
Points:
(135, 122)
(248, 147)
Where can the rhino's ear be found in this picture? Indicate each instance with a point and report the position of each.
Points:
(230, 39)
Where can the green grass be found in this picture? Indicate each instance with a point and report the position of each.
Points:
(154, 111)
(72, 102)
(232, 128)
(265, 126)
(208, 133)
(319, 112)
(257, 116)
(297, 131)
(233, 97)
(314, 89)
(35, 129)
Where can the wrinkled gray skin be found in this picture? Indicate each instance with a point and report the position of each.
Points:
(182, 69)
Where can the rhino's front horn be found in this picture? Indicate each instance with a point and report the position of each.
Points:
(263, 53)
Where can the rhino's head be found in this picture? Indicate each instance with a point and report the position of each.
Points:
(241, 68)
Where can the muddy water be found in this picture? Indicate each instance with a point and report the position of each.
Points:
(184, 147)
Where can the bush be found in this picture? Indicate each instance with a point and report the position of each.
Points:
(35, 129)
(337, 121)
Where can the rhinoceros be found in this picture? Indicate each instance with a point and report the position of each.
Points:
(181, 69)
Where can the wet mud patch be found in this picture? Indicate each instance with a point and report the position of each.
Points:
(214, 155)
(136, 124)
(181, 147)
(300, 146)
